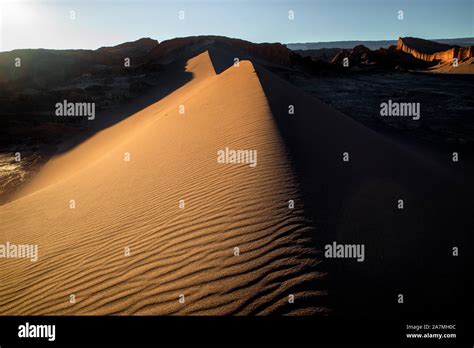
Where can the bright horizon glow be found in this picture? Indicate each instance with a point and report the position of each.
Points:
(47, 23)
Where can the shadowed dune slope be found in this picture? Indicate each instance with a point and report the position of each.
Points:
(135, 205)
(407, 250)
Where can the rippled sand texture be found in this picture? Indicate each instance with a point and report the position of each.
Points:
(135, 204)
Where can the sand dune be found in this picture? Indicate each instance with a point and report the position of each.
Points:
(135, 205)
(407, 249)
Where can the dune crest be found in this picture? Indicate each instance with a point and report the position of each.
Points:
(221, 234)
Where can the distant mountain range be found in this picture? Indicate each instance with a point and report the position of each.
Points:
(373, 45)
(407, 54)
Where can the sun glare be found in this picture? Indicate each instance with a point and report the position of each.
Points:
(18, 16)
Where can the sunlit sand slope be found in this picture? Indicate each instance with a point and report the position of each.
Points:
(180, 212)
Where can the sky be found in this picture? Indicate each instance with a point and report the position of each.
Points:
(97, 23)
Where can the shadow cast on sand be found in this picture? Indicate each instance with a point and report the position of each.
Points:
(407, 251)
